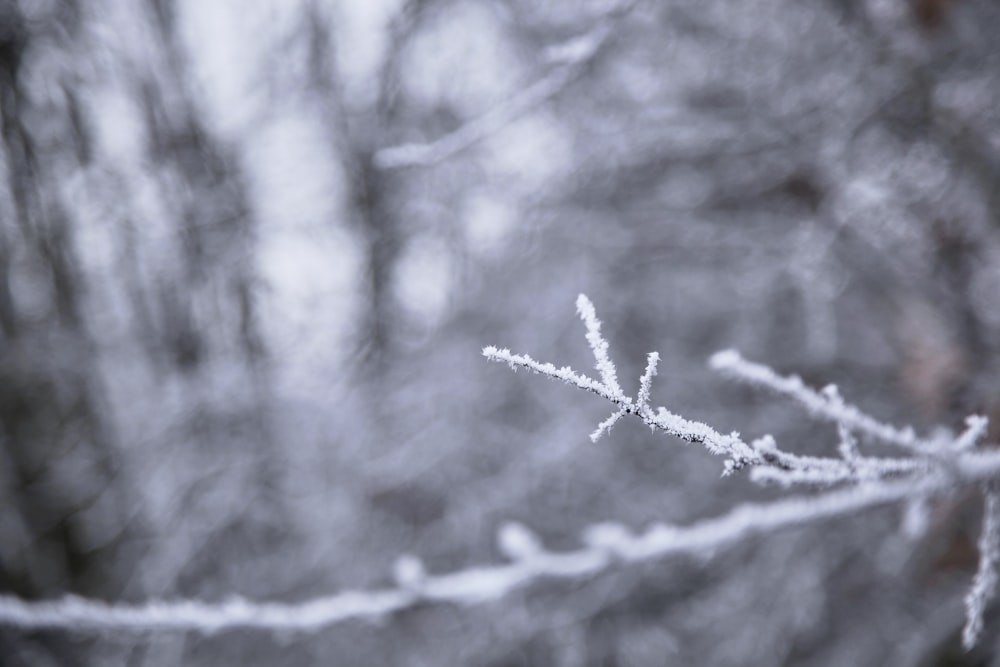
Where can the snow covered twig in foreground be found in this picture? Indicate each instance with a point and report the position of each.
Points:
(927, 467)
(860, 483)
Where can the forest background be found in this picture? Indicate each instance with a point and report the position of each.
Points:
(250, 253)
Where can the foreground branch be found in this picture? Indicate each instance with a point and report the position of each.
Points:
(859, 482)
(926, 468)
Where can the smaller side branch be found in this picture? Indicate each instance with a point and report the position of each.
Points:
(598, 344)
(826, 405)
(566, 374)
(740, 453)
(985, 580)
(975, 430)
(646, 381)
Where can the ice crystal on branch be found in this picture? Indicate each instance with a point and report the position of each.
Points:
(609, 376)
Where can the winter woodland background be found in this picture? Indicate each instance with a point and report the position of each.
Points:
(250, 253)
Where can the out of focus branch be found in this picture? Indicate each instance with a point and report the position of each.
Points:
(605, 546)
(567, 60)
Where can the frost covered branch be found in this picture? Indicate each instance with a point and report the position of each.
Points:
(925, 468)
(825, 404)
(986, 576)
(859, 482)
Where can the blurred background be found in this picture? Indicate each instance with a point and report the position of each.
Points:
(250, 252)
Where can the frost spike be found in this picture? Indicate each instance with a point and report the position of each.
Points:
(609, 375)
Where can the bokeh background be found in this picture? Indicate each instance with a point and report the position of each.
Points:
(250, 252)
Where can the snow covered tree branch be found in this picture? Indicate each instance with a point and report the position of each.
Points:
(847, 483)
(925, 467)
